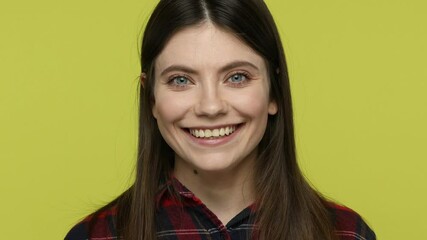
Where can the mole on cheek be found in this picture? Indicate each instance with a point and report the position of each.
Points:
(195, 171)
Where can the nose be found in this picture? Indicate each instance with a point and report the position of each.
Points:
(210, 102)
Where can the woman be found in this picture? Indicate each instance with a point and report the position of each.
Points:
(216, 143)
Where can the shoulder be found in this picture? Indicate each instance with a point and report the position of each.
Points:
(349, 225)
(99, 225)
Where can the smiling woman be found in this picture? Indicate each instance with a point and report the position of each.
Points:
(221, 87)
(213, 112)
(216, 145)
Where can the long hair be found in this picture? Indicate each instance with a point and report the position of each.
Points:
(287, 206)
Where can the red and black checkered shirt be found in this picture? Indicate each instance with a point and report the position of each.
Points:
(196, 221)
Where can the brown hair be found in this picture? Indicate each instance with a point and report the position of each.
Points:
(288, 207)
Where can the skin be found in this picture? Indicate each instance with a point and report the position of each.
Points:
(207, 78)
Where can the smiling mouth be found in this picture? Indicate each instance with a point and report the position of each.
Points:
(214, 132)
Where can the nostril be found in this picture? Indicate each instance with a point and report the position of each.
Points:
(209, 107)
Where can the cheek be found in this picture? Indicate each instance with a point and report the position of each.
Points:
(253, 103)
(169, 108)
(161, 113)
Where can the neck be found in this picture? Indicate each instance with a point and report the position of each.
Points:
(225, 193)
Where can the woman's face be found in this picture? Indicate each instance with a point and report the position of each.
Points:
(211, 99)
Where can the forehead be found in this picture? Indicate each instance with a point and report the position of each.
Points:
(206, 45)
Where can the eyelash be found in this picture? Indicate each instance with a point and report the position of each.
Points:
(172, 82)
(242, 83)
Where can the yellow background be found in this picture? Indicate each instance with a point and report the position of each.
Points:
(68, 106)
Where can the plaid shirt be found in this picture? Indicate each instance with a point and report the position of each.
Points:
(196, 221)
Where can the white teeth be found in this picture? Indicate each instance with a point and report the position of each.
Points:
(209, 133)
(215, 133)
(227, 131)
(222, 132)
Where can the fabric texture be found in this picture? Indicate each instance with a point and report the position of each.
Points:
(190, 219)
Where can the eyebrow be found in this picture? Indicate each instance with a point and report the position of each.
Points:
(225, 68)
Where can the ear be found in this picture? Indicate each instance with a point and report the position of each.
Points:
(272, 107)
(142, 79)
(154, 111)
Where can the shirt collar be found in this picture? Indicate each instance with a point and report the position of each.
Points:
(174, 192)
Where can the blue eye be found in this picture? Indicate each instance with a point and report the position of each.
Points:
(238, 78)
(179, 81)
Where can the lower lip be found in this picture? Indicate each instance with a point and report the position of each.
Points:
(214, 141)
